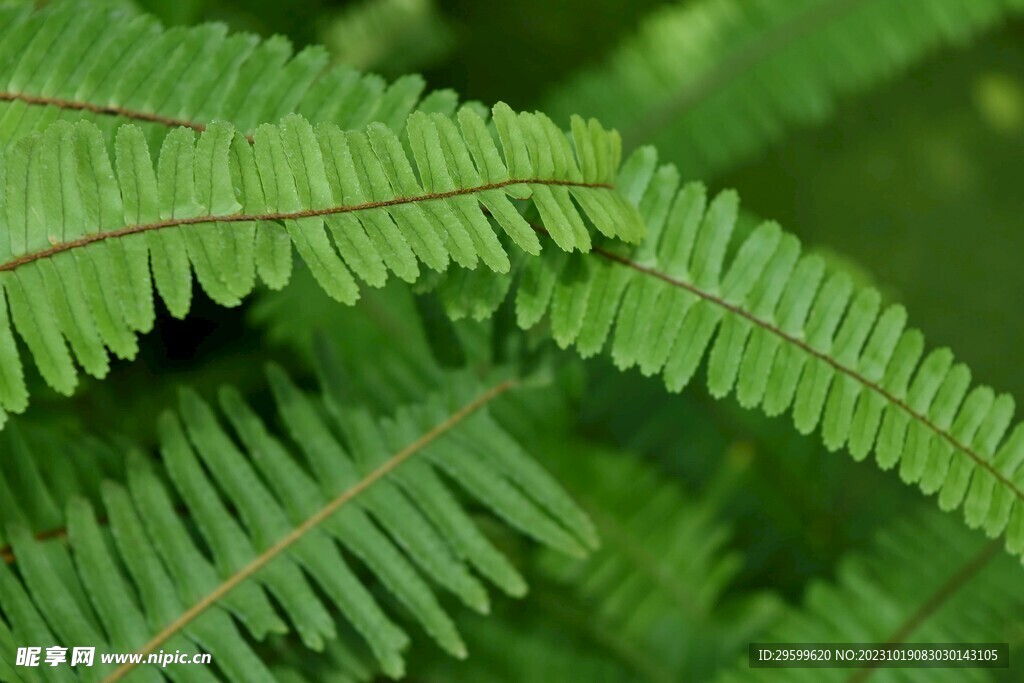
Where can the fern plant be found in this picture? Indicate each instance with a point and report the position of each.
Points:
(383, 506)
(713, 82)
(182, 216)
(418, 436)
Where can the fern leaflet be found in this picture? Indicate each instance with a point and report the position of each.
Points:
(646, 606)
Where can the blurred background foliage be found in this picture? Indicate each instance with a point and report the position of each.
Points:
(915, 183)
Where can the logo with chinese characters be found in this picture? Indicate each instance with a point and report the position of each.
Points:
(54, 656)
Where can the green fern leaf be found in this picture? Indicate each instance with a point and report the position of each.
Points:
(898, 593)
(646, 606)
(83, 60)
(388, 36)
(785, 335)
(276, 519)
(662, 568)
(82, 231)
(340, 662)
(711, 82)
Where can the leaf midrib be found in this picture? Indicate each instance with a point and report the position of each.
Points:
(128, 230)
(853, 374)
(690, 94)
(106, 110)
(299, 532)
(934, 601)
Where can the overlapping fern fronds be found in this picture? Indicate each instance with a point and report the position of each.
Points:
(902, 591)
(283, 515)
(780, 331)
(713, 81)
(242, 531)
(82, 230)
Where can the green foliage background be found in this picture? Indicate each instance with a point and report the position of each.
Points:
(914, 185)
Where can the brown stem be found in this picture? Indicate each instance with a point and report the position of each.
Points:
(934, 601)
(809, 350)
(823, 357)
(106, 110)
(275, 216)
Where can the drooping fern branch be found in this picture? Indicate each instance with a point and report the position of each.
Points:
(901, 591)
(714, 81)
(81, 231)
(274, 516)
(782, 333)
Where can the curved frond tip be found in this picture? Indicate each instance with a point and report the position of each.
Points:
(783, 333)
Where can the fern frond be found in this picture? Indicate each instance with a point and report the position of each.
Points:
(902, 591)
(646, 606)
(712, 82)
(663, 566)
(661, 548)
(77, 59)
(271, 514)
(782, 333)
(80, 240)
